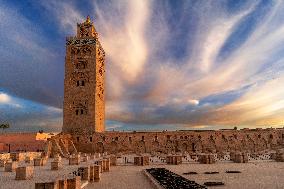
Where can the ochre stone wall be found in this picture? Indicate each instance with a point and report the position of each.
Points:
(181, 141)
(30, 142)
(84, 108)
(32, 155)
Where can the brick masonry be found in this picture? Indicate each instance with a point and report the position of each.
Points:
(84, 96)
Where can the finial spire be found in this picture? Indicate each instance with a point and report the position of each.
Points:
(88, 20)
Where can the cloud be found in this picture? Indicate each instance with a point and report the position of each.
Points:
(186, 64)
(4, 98)
(122, 33)
(215, 34)
(65, 14)
(193, 101)
(26, 115)
(203, 74)
(29, 64)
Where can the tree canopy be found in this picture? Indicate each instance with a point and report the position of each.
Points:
(4, 126)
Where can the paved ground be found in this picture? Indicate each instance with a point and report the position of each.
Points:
(260, 175)
(257, 175)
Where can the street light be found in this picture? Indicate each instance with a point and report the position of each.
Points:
(9, 147)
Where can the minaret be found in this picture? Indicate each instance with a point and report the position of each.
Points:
(84, 97)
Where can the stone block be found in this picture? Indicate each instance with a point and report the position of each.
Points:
(245, 158)
(105, 154)
(28, 159)
(11, 166)
(47, 185)
(92, 156)
(238, 158)
(174, 160)
(146, 160)
(44, 161)
(39, 161)
(273, 156)
(55, 165)
(211, 158)
(74, 160)
(141, 160)
(91, 173)
(232, 156)
(106, 164)
(279, 157)
(62, 184)
(15, 156)
(137, 160)
(97, 155)
(2, 162)
(113, 160)
(84, 172)
(241, 157)
(96, 173)
(74, 183)
(100, 163)
(57, 158)
(206, 159)
(24, 173)
(85, 158)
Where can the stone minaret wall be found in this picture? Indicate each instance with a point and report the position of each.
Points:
(84, 105)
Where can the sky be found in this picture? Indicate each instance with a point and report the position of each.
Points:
(170, 65)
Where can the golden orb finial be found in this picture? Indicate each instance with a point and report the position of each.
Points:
(88, 20)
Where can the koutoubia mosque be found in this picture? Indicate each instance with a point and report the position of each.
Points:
(84, 114)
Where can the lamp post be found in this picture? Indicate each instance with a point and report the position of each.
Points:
(9, 145)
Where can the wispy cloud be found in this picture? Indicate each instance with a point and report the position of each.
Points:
(179, 82)
(64, 14)
(200, 64)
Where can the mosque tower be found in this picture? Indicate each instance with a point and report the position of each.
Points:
(84, 95)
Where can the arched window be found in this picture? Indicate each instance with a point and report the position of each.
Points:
(77, 112)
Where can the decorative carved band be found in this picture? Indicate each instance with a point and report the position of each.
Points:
(81, 41)
(80, 76)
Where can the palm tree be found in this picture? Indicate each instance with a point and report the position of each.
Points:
(4, 126)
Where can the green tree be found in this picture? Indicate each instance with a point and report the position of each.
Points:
(4, 126)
